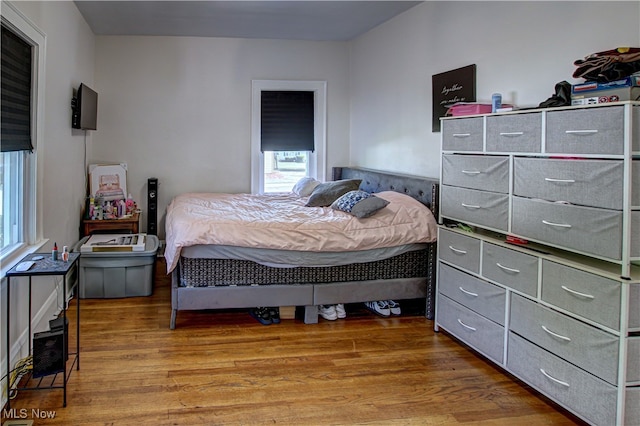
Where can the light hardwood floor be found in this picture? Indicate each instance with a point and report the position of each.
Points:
(224, 368)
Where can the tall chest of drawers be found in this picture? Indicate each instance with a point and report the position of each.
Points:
(562, 311)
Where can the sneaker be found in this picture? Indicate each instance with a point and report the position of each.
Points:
(340, 311)
(394, 307)
(328, 312)
(379, 307)
(274, 313)
(261, 315)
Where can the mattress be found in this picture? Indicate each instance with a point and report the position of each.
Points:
(283, 222)
(292, 259)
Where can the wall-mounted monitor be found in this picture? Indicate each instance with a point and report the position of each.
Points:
(85, 109)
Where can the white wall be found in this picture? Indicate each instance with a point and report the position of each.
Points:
(179, 108)
(521, 49)
(69, 60)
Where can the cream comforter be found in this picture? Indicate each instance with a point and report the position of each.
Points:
(283, 222)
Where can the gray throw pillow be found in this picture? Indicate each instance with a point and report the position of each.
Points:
(326, 193)
(360, 204)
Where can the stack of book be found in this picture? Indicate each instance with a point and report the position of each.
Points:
(591, 92)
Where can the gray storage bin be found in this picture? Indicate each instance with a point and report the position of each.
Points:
(482, 297)
(460, 250)
(485, 172)
(482, 334)
(511, 268)
(514, 133)
(591, 398)
(582, 293)
(463, 134)
(119, 273)
(594, 183)
(589, 348)
(586, 131)
(594, 231)
(486, 209)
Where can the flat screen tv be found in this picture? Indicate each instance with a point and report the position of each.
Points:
(85, 111)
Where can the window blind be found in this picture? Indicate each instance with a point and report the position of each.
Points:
(287, 121)
(15, 105)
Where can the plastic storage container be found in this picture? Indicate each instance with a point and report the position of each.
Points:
(119, 273)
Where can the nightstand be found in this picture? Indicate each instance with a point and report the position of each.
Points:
(126, 225)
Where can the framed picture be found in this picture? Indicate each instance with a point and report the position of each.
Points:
(108, 181)
(449, 88)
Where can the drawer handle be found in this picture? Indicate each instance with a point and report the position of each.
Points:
(559, 336)
(561, 225)
(471, 172)
(468, 292)
(458, 251)
(560, 180)
(466, 326)
(517, 271)
(580, 132)
(470, 206)
(560, 382)
(461, 135)
(511, 133)
(577, 293)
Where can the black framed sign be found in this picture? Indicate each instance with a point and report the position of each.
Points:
(449, 88)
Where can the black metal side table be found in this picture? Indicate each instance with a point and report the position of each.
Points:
(47, 266)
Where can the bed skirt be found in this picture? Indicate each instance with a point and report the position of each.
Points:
(202, 272)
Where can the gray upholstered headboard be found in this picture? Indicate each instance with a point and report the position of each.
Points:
(423, 189)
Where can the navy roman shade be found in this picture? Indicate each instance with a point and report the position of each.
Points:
(287, 121)
(15, 107)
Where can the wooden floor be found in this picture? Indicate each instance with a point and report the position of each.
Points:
(224, 368)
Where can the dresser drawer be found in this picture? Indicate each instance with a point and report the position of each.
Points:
(483, 335)
(635, 143)
(459, 250)
(484, 172)
(514, 133)
(581, 392)
(583, 345)
(593, 231)
(482, 208)
(588, 295)
(480, 296)
(635, 186)
(513, 269)
(632, 407)
(633, 365)
(635, 233)
(465, 134)
(586, 131)
(596, 183)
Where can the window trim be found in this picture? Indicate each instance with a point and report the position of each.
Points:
(33, 180)
(317, 159)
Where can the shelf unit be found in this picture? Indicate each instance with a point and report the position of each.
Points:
(567, 181)
(69, 272)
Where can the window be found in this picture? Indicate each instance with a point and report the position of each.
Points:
(288, 133)
(22, 72)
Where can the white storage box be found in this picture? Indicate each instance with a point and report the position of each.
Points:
(112, 274)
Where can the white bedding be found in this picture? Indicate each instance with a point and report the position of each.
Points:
(283, 222)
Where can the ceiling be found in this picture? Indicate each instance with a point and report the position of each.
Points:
(297, 20)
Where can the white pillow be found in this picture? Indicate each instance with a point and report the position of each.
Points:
(305, 186)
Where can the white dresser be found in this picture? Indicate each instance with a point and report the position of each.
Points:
(561, 312)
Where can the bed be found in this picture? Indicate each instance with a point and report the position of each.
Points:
(212, 269)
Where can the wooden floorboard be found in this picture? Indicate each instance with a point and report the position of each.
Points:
(224, 368)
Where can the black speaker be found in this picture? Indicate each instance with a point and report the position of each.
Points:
(48, 356)
(152, 206)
